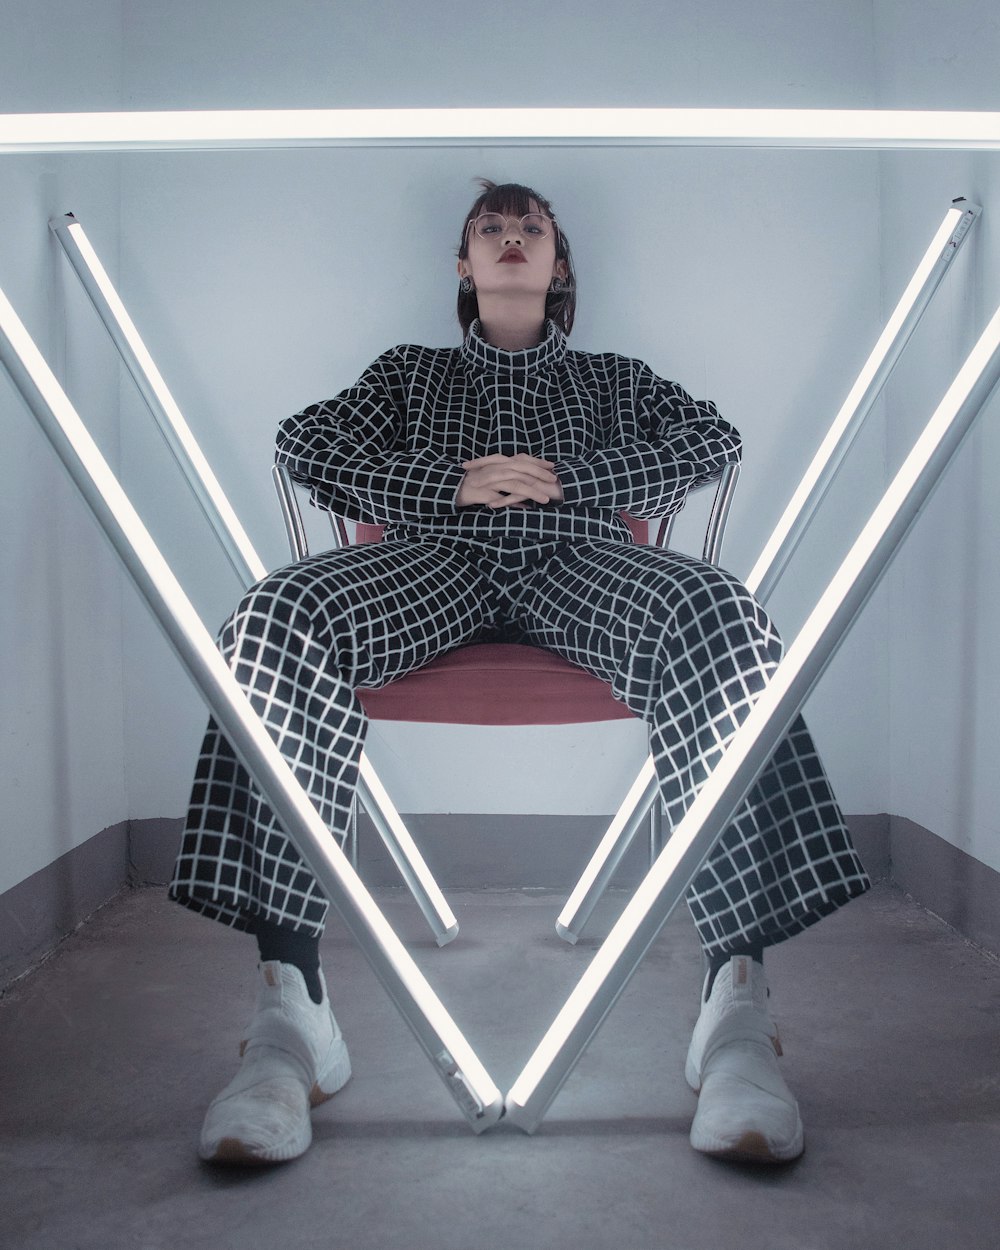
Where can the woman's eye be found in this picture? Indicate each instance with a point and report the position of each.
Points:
(533, 230)
(490, 230)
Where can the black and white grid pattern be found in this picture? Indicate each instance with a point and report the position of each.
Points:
(683, 644)
(390, 448)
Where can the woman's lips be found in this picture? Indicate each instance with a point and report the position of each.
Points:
(512, 257)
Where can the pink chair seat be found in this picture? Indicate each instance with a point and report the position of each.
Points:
(496, 683)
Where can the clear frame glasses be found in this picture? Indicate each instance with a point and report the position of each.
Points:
(531, 225)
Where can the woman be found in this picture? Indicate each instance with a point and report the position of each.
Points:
(500, 469)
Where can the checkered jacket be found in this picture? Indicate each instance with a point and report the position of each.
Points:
(389, 449)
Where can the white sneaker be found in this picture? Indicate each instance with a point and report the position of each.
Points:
(293, 1058)
(745, 1109)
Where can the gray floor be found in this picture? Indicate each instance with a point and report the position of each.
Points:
(891, 1025)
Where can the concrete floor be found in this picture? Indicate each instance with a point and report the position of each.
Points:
(112, 1049)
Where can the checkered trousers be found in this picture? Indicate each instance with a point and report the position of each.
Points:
(682, 643)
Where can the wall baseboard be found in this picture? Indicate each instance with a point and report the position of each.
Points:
(40, 911)
(473, 852)
(960, 889)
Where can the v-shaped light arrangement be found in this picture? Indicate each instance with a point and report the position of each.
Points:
(693, 840)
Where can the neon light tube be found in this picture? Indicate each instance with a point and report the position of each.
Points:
(780, 547)
(755, 741)
(204, 485)
(259, 128)
(596, 877)
(848, 422)
(454, 1059)
(406, 854)
(233, 538)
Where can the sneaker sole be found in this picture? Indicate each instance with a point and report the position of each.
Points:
(235, 1152)
(752, 1147)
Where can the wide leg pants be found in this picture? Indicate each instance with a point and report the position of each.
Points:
(683, 644)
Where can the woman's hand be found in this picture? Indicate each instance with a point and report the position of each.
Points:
(502, 481)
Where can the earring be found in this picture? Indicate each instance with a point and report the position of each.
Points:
(557, 286)
(465, 286)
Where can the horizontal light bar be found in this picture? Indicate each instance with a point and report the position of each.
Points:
(755, 741)
(847, 424)
(454, 1059)
(185, 448)
(259, 128)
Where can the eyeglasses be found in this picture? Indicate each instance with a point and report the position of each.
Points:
(532, 225)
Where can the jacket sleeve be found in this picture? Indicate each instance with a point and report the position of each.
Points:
(347, 450)
(679, 444)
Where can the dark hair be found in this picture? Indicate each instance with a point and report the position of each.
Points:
(516, 200)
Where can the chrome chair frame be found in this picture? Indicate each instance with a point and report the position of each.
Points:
(288, 491)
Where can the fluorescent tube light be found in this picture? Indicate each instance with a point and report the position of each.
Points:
(779, 548)
(454, 1059)
(233, 538)
(258, 128)
(185, 448)
(754, 742)
(817, 479)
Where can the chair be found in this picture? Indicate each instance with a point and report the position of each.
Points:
(461, 687)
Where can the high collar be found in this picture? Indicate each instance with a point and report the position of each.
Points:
(482, 355)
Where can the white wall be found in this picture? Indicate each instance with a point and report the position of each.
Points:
(945, 586)
(266, 281)
(60, 611)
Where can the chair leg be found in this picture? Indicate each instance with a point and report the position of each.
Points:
(352, 836)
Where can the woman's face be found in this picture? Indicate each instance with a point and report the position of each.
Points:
(512, 258)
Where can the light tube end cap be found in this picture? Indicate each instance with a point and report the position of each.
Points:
(520, 1117)
(447, 935)
(566, 933)
(490, 1115)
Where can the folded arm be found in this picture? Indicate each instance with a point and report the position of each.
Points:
(343, 449)
(681, 444)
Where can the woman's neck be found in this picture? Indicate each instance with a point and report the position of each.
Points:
(512, 330)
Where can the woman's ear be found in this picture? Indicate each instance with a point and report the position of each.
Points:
(463, 269)
(560, 270)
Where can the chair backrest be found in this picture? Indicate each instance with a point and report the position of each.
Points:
(656, 533)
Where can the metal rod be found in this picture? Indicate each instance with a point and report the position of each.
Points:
(756, 739)
(204, 485)
(453, 1058)
(808, 496)
(191, 130)
(295, 530)
(719, 518)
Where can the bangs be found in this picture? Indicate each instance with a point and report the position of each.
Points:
(512, 200)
